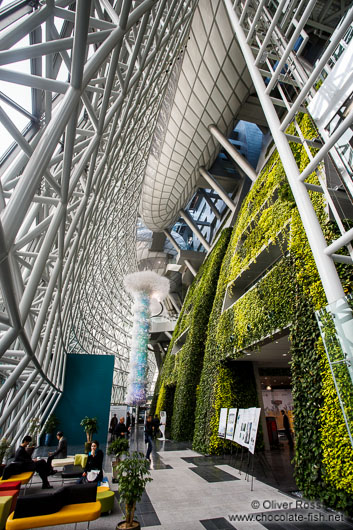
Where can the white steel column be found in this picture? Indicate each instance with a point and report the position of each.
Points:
(217, 188)
(172, 240)
(324, 263)
(190, 267)
(191, 224)
(236, 156)
(210, 203)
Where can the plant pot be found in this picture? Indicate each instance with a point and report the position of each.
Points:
(87, 447)
(48, 438)
(122, 525)
(115, 468)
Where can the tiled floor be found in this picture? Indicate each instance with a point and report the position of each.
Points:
(191, 492)
(213, 474)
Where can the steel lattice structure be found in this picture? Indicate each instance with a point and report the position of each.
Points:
(70, 188)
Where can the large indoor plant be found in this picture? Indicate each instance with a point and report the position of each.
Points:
(5, 445)
(34, 430)
(117, 448)
(133, 475)
(50, 428)
(90, 426)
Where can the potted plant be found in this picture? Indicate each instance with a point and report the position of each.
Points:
(5, 445)
(117, 448)
(133, 475)
(90, 426)
(34, 430)
(50, 428)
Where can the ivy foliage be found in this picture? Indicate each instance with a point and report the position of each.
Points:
(284, 298)
(180, 374)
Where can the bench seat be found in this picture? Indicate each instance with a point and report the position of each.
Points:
(24, 478)
(71, 513)
(61, 462)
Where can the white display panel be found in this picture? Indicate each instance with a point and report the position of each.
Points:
(222, 423)
(253, 432)
(246, 427)
(232, 415)
(238, 433)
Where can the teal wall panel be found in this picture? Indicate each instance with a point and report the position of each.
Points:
(87, 392)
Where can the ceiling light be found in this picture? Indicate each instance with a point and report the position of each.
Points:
(268, 387)
(284, 354)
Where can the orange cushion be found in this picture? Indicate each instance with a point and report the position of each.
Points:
(8, 485)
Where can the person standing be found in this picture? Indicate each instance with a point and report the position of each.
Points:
(112, 426)
(120, 429)
(128, 421)
(286, 426)
(148, 436)
(156, 424)
(61, 451)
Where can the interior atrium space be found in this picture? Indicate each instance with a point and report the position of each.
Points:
(176, 230)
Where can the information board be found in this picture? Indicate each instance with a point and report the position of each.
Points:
(222, 423)
(253, 432)
(246, 427)
(232, 415)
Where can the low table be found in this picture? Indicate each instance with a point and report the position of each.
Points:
(71, 471)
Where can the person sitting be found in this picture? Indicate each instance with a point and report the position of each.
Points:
(26, 463)
(121, 429)
(61, 451)
(94, 467)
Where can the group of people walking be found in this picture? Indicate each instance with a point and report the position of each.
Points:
(119, 428)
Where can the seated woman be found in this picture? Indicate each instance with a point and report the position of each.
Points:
(94, 463)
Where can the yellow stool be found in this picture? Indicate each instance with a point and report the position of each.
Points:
(106, 498)
(102, 488)
(81, 460)
(5, 506)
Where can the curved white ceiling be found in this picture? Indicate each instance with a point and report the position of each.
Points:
(212, 86)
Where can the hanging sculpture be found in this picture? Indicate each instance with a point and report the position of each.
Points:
(145, 287)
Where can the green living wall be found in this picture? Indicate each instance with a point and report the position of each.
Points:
(286, 296)
(176, 387)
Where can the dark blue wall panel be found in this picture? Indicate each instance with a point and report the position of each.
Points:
(87, 391)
